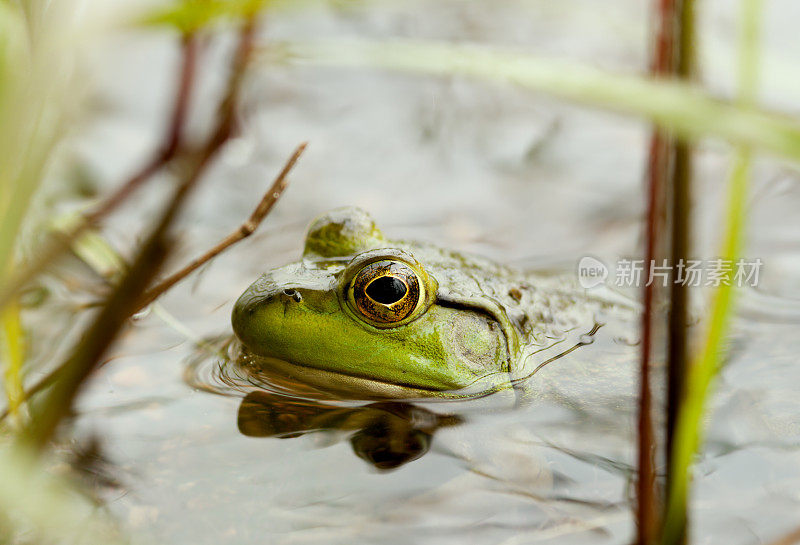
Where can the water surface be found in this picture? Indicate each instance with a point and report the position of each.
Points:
(517, 177)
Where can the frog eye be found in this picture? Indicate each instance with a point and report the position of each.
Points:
(386, 291)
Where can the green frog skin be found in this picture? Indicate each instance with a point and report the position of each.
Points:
(371, 317)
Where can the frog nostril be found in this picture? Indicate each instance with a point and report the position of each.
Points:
(294, 294)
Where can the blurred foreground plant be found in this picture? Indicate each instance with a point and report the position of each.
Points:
(34, 77)
(36, 60)
(34, 69)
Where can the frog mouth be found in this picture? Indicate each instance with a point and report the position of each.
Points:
(352, 386)
(339, 382)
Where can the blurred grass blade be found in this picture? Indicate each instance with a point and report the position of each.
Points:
(34, 77)
(688, 430)
(13, 355)
(12, 55)
(12, 63)
(681, 107)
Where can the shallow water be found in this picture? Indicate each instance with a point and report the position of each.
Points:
(493, 170)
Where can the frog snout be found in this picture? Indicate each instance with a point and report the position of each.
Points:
(250, 303)
(259, 314)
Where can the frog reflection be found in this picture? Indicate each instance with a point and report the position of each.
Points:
(387, 435)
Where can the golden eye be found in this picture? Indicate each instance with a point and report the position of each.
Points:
(386, 291)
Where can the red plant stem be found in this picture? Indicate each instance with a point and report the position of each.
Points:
(226, 123)
(663, 60)
(663, 63)
(646, 484)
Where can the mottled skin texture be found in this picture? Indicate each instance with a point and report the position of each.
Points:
(476, 326)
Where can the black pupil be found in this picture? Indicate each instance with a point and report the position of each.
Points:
(386, 290)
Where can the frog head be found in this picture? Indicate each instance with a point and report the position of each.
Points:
(361, 313)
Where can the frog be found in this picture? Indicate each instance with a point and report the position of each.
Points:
(369, 316)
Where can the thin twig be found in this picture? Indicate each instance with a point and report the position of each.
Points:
(166, 152)
(245, 230)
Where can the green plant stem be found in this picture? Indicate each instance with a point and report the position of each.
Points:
(688, 429)
(678, 106)
(13, 355)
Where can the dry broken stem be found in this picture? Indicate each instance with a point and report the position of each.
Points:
(245, 230)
